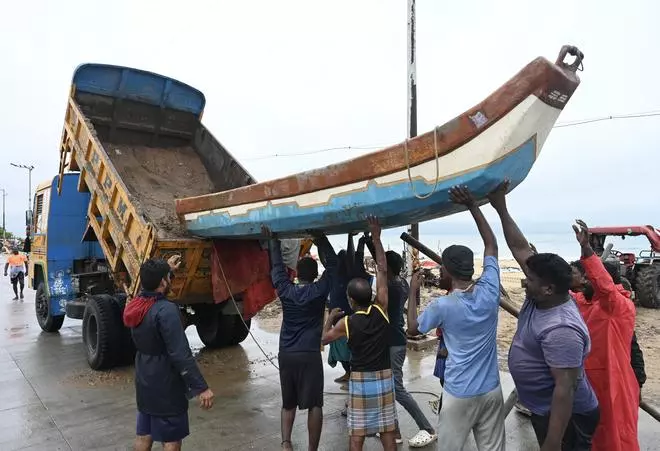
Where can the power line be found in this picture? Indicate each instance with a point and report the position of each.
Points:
(608, 118)
(312, 152)
(559, 125)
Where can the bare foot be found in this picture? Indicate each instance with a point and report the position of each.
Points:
(286, 445)
(344, 378)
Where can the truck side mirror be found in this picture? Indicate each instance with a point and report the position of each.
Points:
(28, 218)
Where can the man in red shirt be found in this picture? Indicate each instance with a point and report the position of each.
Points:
(610, 318)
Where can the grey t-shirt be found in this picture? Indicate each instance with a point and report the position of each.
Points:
(550, 338)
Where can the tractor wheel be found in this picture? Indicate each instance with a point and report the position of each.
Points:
(217, 330)
(46, 320)
(102, 332)
(647, 286)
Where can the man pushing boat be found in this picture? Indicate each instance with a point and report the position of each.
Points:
(472, 398)
(371, 387)
(300, 364)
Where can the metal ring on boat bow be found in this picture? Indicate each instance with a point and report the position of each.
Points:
(573, 51)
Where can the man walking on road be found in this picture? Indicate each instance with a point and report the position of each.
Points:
(300, 362)
(166, 374)
(17, 265)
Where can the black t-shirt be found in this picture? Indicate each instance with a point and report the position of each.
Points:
(397, 293)
(367, 333)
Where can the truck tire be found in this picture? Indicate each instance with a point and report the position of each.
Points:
(240, 332)
(127, 347)
(46, 320)
(128, 350)
(647, 286)
(217, 330)
(102, 332)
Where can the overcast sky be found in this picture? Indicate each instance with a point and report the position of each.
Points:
(293, 76)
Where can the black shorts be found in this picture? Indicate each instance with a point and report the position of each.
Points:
(578, 434)
(163, 429)
(18, 278)
(301, 379)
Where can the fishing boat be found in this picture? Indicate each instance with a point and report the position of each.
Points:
(499, 138)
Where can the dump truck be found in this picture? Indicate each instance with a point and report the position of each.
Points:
(132, 143)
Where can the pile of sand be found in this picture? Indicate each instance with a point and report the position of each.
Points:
(155, 177)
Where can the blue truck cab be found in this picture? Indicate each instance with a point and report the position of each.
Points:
(62, 265)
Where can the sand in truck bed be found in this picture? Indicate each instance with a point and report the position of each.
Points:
(155, 177)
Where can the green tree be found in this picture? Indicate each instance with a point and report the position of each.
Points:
(9, 235)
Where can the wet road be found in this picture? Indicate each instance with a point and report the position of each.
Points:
(50, 400)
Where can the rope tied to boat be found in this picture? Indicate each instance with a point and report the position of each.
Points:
(437, 167)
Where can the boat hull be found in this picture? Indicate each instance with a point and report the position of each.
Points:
(480, 164)
(499, 139)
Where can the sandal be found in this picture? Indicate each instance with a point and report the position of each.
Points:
(422, 439)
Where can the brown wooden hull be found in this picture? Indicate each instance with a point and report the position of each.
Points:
(540, 77)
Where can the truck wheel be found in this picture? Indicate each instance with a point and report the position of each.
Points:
(217, 330)
(647, 286)
(127, 352)
(127, 347)
(102, 332)
(47, 322)
(240, 331)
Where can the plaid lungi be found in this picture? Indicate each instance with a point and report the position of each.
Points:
(371, 406)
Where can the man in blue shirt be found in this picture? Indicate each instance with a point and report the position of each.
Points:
(303, 305)
(472, 398)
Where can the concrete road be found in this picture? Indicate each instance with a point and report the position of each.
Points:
(50, 400)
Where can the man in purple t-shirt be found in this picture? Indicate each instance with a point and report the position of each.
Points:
(546, 358)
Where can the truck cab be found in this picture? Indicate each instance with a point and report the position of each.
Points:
(63, 266)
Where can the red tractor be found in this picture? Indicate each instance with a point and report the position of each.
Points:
(643, 270)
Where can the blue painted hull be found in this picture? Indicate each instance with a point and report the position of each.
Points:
(395, 205)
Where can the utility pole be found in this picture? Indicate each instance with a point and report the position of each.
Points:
(4, 227)
(413, 229)
(29, 169)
